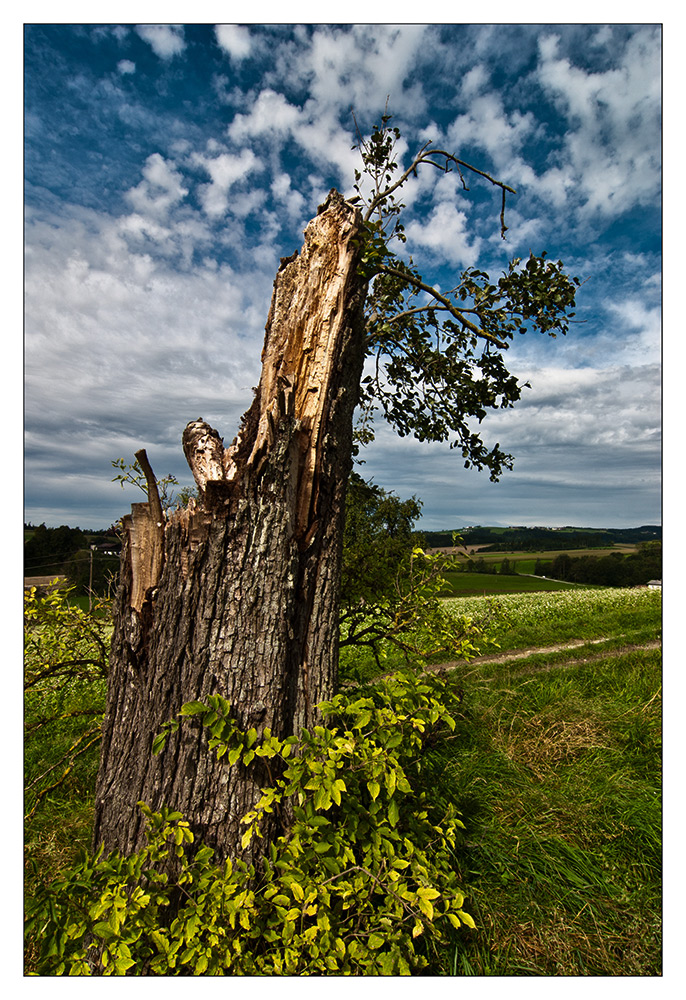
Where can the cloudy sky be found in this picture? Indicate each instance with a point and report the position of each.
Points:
(169, 167)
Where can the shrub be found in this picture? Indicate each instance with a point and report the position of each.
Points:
(363, 882)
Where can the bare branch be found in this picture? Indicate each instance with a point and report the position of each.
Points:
(153, 494)
(458, 314)
(425, 155)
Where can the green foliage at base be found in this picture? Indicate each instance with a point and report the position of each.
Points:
(364, 882)
(65, 669)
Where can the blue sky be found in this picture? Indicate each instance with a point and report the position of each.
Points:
(169, 167)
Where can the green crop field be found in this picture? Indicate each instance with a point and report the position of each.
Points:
(608, 613)
(472, 584)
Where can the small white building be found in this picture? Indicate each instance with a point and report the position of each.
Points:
(655, 584)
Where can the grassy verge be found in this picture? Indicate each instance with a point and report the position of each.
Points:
(556, 769)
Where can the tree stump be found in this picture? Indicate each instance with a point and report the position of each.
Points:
(237, 594)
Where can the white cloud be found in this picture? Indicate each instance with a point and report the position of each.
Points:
(225, 170)
(141, 348)
(160, 189)
(271, 113)
(446, 233)
(166, 40)
(617, 406)
(315, 129)
(364, 65)
(234, 39)
(641, 326)
(490, 127)
(292, 201)
(125, 66)
(611, 153)
(355, 68)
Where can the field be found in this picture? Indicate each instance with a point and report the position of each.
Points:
(521, 565)
(556, 770)
(516, 555)
(609, 614)
(554, 765)
(482, 584)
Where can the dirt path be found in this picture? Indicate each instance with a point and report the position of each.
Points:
(524, 654)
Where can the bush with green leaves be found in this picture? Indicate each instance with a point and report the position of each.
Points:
(364, 882)
(65, 670)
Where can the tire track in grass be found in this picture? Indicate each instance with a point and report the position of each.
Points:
(524, 654)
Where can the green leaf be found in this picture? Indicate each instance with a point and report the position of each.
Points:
(193, 708)
(374, 789)
(104, 930)
(122, 964)
(467, 919)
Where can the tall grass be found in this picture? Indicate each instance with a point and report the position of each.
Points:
(557, 774)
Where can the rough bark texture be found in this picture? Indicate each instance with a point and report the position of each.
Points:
(238, 593)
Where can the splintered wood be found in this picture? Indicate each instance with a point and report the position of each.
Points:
(300, 354)
(302, 345)
(145, 530)
(304, 332)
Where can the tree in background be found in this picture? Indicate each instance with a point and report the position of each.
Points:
(378, 535)
(48, 549)
(237, 594)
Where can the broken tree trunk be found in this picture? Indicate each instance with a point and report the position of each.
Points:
(237, 594)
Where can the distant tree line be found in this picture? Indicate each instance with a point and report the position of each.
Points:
(66, 551)
(520, 539)
(614, 570)
(506, 567)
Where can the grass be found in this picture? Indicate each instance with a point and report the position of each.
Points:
(475, 584)
(531, 620)
(554, 765)
(556, 770)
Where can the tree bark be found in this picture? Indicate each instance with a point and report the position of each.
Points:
(238, 593)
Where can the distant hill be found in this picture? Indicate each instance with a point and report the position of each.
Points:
(524, 539)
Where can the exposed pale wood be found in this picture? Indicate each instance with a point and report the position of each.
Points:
(145, 528)
(302, 346)
(204, 451)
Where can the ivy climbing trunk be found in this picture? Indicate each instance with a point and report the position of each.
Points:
(237, 594)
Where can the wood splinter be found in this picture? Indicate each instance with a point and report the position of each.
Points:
(145, 530)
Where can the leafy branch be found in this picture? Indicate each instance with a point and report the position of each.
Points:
(438, 356)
